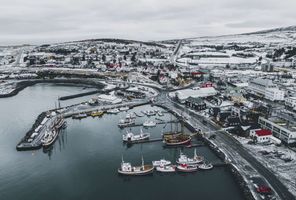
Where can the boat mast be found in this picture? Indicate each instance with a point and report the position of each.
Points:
(142, 162)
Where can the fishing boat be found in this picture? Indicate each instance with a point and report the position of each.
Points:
(130, 137)
(126, 122)
(149, 123)
(128, 169)
(161, 162)
(183, 159)
(187, 168)
(49, 138)
(205, 166)
(79, 116)
(125, 108)
(166, 168)
(177, 139)
(97, 113)
(113, 111)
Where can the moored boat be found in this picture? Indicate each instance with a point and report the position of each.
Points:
(97, 113)
(130, 137)
(49, 138)
(178, 139)
(149, 123)
(131, 116)
(161, 162)
(113, 111)
(79, 116)
(59, 122)
(187, 168)
(183, 159)
(126, 122)
(166, 168)
(128, 169)
(125, 108)
(205, 166)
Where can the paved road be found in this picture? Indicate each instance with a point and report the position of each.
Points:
(233, 146)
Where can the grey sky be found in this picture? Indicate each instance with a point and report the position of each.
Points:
(41, 21)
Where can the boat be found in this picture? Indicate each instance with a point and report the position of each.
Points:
(192, 145)
(160, 113)
(161, 162)
(177, 139)
(166, 168)
(59, 123)
(97, 113)
(131, 116)
(49, 138)
(130, 137)
(128, 169)
(183, 159)
(124, 108)
(187, 168)
(205, 166)
(79, 116)
(126, 122)
(150, 112)
(113, 111)
(149, 123)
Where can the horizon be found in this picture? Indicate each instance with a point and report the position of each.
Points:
(34, 22)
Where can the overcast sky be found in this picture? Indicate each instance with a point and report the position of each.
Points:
(43, 21)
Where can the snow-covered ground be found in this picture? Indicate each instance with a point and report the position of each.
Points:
(272, 157)
(7, 87)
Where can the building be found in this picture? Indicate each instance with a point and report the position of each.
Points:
(285, 131)
(196, 92)
(261, 135)
(109, 98)
(291, 102)
(195, 103)
(266, 89)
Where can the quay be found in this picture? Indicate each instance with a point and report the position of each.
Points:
(32, 139)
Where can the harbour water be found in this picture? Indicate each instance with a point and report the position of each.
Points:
(84, 160)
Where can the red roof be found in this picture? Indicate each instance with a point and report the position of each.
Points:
(263, 132)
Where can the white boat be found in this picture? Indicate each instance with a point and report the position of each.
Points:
(49, 138)
(130, 137)
(128, 169)
(149, 123)
(150, 112)
(183, 159)
(131, 116)
(126, 122)
(160, 113)
(166, 168)
(161, 162)
(79, 116)
(113, 111)
(205, 166)
(187, 168)
(124, 108)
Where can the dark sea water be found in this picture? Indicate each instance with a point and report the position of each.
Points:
(84, 160)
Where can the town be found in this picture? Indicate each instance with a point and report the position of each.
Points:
(238, 92)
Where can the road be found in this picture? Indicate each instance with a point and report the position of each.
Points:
(232, 145)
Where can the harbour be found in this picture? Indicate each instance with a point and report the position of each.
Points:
(90, 149)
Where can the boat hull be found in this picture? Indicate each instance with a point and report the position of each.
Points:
(137, 173)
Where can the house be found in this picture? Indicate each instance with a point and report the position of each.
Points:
(195, 103)
(261, 135)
